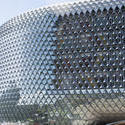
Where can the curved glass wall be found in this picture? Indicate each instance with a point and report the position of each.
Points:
(64, 64)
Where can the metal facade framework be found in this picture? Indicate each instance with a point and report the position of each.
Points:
(64, 65)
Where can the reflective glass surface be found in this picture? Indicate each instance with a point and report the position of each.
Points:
(64, 65)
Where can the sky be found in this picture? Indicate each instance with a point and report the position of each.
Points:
(11, 8)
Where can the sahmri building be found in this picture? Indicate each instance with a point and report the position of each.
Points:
(64, 65)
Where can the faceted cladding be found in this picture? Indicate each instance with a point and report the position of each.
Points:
(64, 65)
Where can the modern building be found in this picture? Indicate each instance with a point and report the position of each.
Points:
(64, 64)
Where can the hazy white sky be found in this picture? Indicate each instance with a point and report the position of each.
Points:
(11, 8)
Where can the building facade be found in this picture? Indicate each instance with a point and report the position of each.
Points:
(64, 64)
